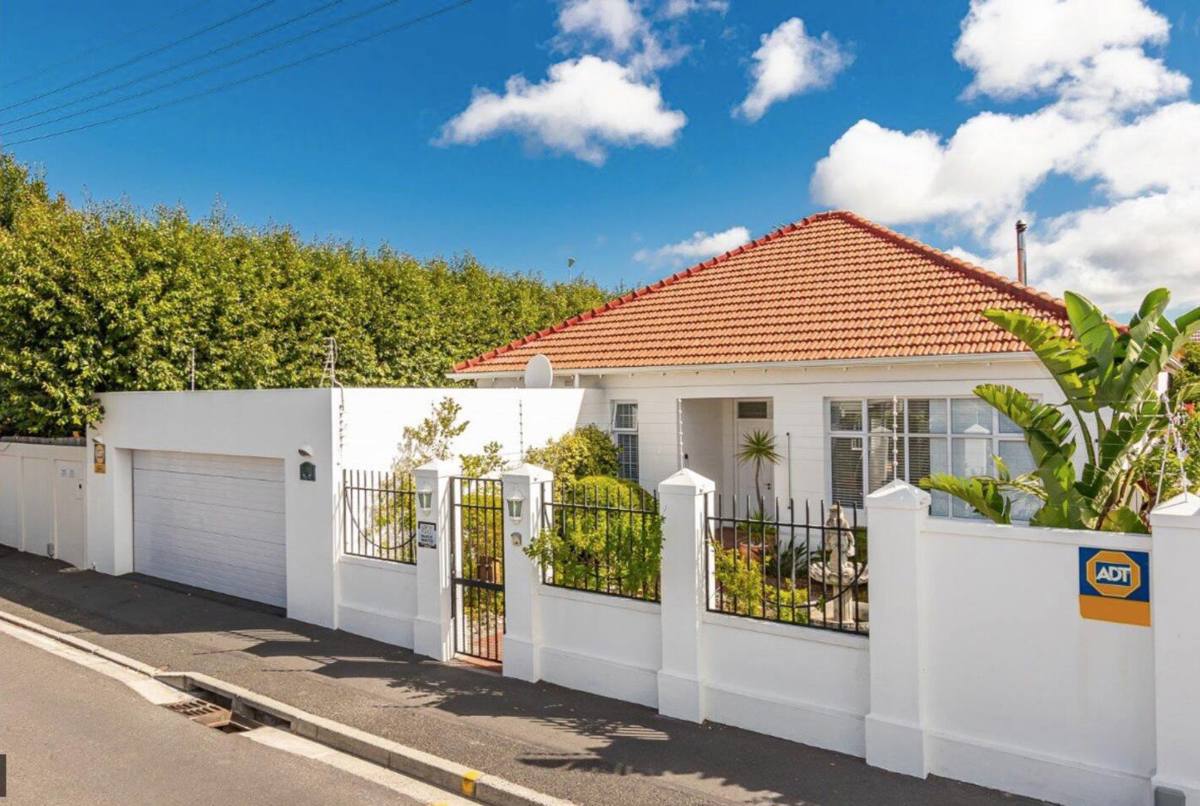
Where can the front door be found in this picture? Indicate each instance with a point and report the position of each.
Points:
(752, 416)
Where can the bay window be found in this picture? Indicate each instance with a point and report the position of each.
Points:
(874, 441)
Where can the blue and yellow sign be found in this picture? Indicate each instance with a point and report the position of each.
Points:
(1114, 585)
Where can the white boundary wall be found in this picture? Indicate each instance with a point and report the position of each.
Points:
(42, 499)
(356, 428)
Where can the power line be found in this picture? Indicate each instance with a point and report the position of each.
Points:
(139, 57)
(408, 23)
(151, 74)
(203, 72)
(46, 68)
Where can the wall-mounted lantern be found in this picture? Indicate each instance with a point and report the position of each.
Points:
(516, 505)
(425, 499)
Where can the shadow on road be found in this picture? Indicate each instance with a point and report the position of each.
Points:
(587, 748)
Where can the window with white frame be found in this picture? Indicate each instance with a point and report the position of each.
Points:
(625, 434)
(874, 441)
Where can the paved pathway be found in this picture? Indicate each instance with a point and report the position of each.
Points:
(578, 746)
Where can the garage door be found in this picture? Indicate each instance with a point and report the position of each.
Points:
(214, 522)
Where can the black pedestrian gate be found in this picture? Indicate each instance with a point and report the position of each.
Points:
(477, 567)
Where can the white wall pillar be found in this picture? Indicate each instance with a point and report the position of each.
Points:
(680, 680)
(895, 725)
(522, 605)
(432, 627)
(1174, 602)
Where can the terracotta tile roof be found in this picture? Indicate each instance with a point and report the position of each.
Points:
(832, 286)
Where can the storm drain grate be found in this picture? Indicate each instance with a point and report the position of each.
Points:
(206, 713)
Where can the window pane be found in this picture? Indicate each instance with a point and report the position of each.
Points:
(884, 415)
(926, 456)
(1016, 455)
(846, 415)
(927, 416)
(885, 461)
(970, 416)
(969, 457)
(1007, 426)
(625, 416)
(846, 456)
(752, 409)
(627, 445)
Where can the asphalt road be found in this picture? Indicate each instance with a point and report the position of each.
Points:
(73, 735)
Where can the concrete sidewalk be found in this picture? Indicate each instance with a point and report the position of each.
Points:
(577, 746)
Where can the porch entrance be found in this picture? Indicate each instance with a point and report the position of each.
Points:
(751, 416)
(477, 567)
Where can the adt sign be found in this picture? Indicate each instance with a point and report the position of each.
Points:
(1114, 585)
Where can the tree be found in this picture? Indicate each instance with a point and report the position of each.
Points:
(586, 451)
(758, 447)
(1109, 378)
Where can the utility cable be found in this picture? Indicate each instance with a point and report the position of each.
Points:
(408, 23)
(79, 54)
(139, 57)
(151, 74)
(203, 72)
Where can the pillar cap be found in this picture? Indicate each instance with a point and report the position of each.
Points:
(1185, 505)
(899, 494)
(687, 479)
(442, 467)
(534, 473)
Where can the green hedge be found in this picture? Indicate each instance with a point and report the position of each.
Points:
(109, 298)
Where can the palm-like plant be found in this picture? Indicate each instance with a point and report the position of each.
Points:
(1109, 378)
(758, 447)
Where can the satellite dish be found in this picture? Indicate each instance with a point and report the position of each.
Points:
(538, 373)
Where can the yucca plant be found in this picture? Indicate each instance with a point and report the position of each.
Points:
(1113, 410)
(758, 447)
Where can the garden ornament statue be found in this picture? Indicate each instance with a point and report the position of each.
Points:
(838, 574)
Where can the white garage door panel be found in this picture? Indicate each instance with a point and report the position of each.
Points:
(214, 522)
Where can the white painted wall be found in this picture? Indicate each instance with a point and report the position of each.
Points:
(1021, 693)
(377, 599)
(795, 682)
(42, 499)
(355, 428)
(799, 396)
(603, 644)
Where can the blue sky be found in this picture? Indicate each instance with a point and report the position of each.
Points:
(353, 146)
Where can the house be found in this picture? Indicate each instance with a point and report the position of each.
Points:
(856, 346)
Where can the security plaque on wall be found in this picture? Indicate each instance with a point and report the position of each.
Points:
(99, 462)
(1114, 585)
(426, 535)
(308, 471)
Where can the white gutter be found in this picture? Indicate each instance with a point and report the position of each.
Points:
(972, 358)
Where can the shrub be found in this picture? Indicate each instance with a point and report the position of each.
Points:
(606, 535)
(744, 590)
(585, 452)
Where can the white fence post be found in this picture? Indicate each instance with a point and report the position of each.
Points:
(522, 607)
(895, 725)
(431, 629)
(681, 679)
(1174, 601)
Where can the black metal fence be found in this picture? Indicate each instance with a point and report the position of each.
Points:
(806, 566)
(378, 516)
(600, 537)
(477, 570)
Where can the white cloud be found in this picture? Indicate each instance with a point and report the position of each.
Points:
(583, 107)
(1118, 253)
(616, 22)
(681, 8)
(1023, 47)
(700, 246)
(790, 62)
(1107, 121)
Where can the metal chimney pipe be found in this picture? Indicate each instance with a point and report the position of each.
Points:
(1021, 276)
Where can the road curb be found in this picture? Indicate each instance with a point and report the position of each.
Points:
(440, 772)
